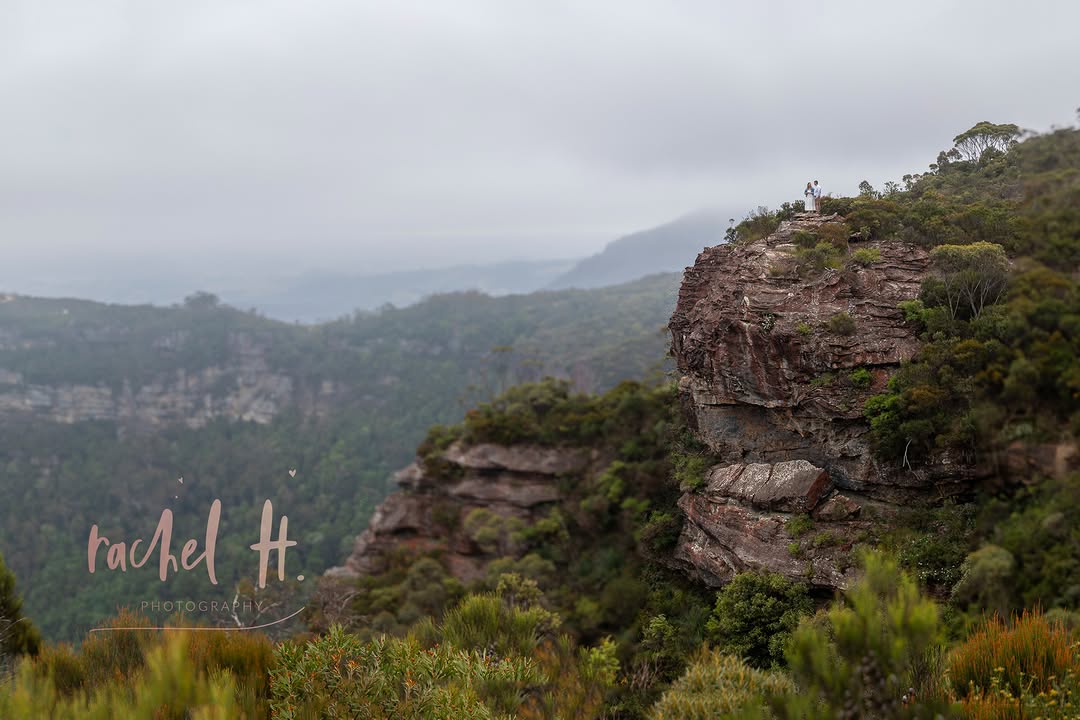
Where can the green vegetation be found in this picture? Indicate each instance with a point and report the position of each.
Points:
(169, 687)
(140, 674)
(574, 611)
(18, 636)
(1000, 359)
(590, 557)
(754, 616)
(1032, 551)
(550, 414)
(866, 256)
(799, 525)
(841, 324)
(825, 248)
(720, 687)
(862, 655)
(931, 543)
(861, 377)
(758, 224)
(391, 374)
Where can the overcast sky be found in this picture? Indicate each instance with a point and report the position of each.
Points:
(394, 134)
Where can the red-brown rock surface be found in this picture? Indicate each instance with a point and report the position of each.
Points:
(768, 386)
(518, 481)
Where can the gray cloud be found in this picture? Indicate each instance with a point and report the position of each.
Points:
(390, 134)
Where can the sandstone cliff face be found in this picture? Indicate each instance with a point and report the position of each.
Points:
(429, 514)
(768, 386)
(244, 388)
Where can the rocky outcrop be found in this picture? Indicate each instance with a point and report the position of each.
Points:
(245, 388)
(775, 386)
(430, 514)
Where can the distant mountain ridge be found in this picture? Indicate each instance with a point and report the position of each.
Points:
(103, 407)
(341, 288)
(321, 296)
(664, 248)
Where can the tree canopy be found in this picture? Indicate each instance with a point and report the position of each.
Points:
(983, 136)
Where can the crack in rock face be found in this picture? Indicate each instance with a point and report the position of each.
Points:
(767, 384)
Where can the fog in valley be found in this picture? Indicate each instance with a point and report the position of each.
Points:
(151, 150)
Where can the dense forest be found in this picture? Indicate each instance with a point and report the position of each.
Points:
(395, 373)
(970, 609)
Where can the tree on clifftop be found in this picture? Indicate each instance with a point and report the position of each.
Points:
(972, 143)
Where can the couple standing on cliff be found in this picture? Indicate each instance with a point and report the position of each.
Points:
(812, 197)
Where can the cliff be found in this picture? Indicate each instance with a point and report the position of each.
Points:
(777, 357)
(240, 386)
(775, 368)
(518, 484)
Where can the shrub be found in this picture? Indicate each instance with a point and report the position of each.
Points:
(1027, 654)
(116, 653)
(689, 469)
(931, 543)
(488, 620)
(861, 377)
(842, 324)
(1040, 534)
(121, 662)
(827, 538)
(758, 224)
(870, 647)
(819, 257)
(874, 218)
(1000, 703)
(755, 614)
(340, 676)
(866, 256)
(838, 205)
(660, 534)
(804, 329)
(799, 525)
(986, 578)
(914, 310)
(170, 687)
(835, 233)
(716, 686)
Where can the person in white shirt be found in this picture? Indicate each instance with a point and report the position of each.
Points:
(817, 197)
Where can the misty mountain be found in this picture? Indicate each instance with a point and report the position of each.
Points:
(665, 248)
(319, 296)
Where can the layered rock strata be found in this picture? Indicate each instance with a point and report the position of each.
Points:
(429, 514)
(245, 387)
(775, 384)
